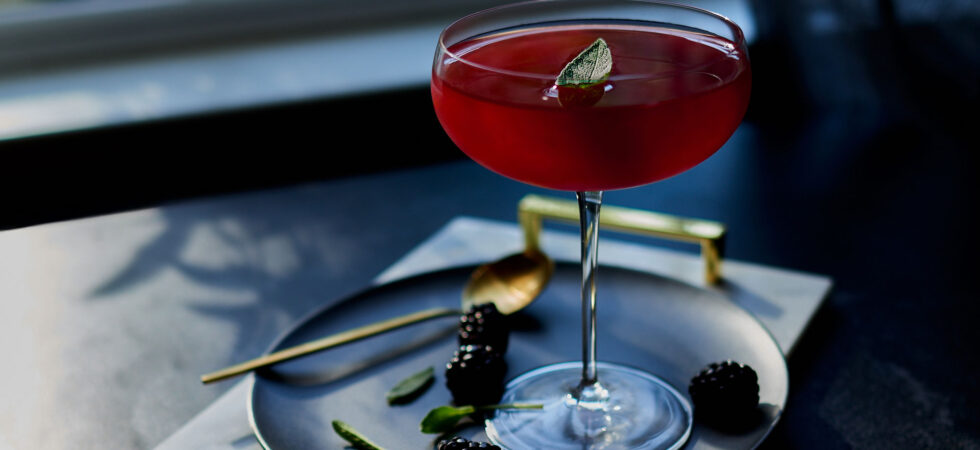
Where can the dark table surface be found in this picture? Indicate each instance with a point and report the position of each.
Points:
(857, 160)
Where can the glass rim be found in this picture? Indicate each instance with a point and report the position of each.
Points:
(739, 37)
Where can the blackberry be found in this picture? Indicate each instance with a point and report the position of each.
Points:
(725, 392)
(475, 375)
(483, 324)
(458, 443)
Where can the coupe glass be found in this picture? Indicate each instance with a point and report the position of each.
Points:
(678, 88)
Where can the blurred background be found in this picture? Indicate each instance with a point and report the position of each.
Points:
(223, 95)
(857, 159)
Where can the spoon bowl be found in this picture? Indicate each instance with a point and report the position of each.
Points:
(510, 283)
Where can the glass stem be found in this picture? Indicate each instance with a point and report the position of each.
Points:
(589, 203)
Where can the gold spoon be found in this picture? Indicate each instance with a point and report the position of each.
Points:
(510, 283)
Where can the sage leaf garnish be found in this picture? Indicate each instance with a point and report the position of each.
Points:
(412, 387)
(357, 440)
(445, 418)
(592, 66)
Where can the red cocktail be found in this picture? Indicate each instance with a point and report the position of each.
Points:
(673, 98)
(587, 96)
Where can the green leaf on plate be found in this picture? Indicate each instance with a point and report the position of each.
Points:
(410, 388)
(357, 440)
(445, 418)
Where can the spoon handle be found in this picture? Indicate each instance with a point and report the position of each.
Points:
(328, 342)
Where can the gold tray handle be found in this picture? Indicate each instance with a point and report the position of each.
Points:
(533, 209)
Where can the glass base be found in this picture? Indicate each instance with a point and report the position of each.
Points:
(630, 409)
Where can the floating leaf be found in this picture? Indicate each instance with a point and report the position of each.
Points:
(412, 387)
(582, 82)
(590, 67)
(357, 440)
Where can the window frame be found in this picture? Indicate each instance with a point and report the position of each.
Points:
(59, 34)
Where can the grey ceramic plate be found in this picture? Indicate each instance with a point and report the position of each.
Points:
(661, 325)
